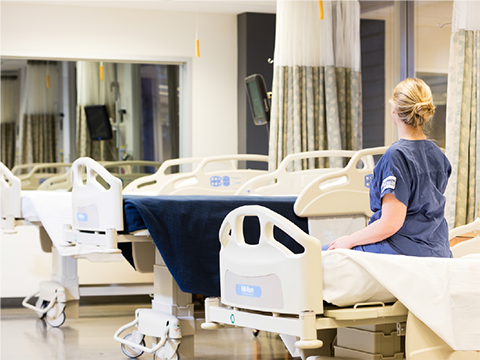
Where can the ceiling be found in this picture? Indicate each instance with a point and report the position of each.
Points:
(215, 6)
(431, 13)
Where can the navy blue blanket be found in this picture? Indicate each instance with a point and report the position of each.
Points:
(185, 230)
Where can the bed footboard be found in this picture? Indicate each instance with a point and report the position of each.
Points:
(268, 276)
(96, 208)
(10, 207)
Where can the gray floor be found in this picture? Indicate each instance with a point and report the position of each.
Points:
(25, 337)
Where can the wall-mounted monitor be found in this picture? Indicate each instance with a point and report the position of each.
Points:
(258, 99)
(98, 122)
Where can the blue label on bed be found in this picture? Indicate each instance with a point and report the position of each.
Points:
(248, 290)
(368, 180)
(82, 217)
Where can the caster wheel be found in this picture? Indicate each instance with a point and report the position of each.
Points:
(256, 332)
(131, 352)
(160, 355)
(41, 304)
(54, 321)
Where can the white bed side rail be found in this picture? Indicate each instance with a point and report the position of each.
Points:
(217, 182)
(285, 182)
(268, 276)
(340, 192)
(130, 170)
(95, 208)
(34, 178)
(470, 246)
(10, 197)
(151, 183)
(57, 182)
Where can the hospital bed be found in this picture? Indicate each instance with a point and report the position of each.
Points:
(127, 171)
(97, 185)
(105, 239)
(306, 296)
(34, 175)
(172, 302)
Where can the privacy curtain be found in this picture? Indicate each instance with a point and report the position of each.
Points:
(463, 115)
(10, 108)
(316, 95)
(38, 124)
(96, 85)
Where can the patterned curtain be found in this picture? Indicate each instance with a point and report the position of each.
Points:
(317, 96)
(7, 141)
(10, 101)
(463, 115)
(40, 139)
(95, 86)
(38, 122)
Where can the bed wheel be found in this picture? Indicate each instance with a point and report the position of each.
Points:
(131, 352)
(255, 332)
(41, 304)
(55, 321)
(160, 355)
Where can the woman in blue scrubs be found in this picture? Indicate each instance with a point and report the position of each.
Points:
(409, 181)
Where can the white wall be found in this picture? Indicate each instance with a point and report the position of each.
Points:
(432, 49)
(68, 32)
(23, 264)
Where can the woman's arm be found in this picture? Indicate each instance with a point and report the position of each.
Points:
(393, 216)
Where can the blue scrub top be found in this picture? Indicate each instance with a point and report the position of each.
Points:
(416, 172)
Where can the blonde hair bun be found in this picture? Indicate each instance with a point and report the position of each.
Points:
(413, 101)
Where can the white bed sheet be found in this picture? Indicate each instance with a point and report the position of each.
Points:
(54, 209)
(442, 293)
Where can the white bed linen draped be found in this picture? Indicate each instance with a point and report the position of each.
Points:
(443, 293)
(54, 209)
(463, 115)
(316, 102)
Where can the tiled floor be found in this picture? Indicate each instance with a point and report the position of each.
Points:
(25, 337)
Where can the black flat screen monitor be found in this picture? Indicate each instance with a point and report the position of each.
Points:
(98, 122)
(258, 99)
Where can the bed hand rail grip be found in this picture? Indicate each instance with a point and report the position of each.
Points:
(473, 226)
(268, 219)
(376, 303)
(280, 172)
(161, 172)
(91, 167)
(307, 203)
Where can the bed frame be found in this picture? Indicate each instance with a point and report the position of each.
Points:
(169, 300)
(99, 213)
(305, 318)
(94, 224)
(286, 180)
(132, 344)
